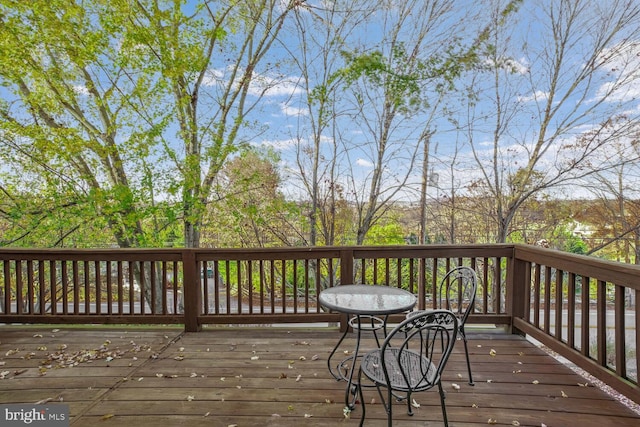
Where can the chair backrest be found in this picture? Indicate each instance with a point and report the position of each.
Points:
(457, 292)
(416, 351)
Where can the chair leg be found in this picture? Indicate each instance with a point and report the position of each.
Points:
(361, 394)
(444, 409)
(388, 407)
(466, 352)
(409, 407)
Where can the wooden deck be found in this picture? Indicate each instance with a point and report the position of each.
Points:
(276, 376)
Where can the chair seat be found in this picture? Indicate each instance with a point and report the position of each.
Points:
(413, 364)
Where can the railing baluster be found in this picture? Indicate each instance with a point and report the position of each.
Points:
(272, 284)
(559, 304)
(602, 323)
(571, 310)
(547, 299)
(585, 324)
(620, 338)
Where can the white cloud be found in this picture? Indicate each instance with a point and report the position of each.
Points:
(274, 87)
(288, 110)
(281, 144)
(536, 96)
(622, 63)
(213, 77)
(261, 85)
(81, 90)
(364, 163)
(515, 66)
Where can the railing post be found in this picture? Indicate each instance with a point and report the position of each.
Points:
(346, 278)
(191, 286)
(517, 287)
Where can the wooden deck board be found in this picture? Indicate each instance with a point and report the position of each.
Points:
(279, 377)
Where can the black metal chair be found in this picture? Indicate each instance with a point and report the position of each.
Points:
(457, 292)
(411, 359)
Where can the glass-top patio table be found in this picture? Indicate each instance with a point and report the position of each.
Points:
(368, 307)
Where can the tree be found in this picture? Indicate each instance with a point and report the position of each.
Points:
(136, 104)
(556, 96)
(616, 212)
(250, 210)
(323, 31)
(393, 85)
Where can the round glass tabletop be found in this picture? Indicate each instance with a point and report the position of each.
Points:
(367, 299)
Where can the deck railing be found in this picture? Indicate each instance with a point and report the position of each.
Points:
(583, 308)
(528, 289)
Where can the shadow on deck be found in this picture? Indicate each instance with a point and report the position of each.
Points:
(277, 376)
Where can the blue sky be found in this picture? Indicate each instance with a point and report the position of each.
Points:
(525, 91)
(284, 122)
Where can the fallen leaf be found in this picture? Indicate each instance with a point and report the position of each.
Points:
(492, 352)
(298, 378)
(302, 358)
(308, 415)
(255, 357)
(536, 382)
(415, 404)
(315, 357)
(455, 386)
(107, 416)
(563, 394)
(346, 411)
(492, 421)
(515, 423)
(475, 405)
(190, 398)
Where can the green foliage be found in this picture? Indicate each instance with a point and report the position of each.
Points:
(566, 240)
(385, 234)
